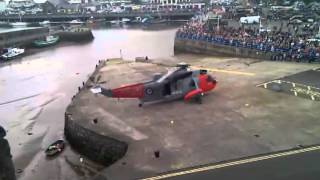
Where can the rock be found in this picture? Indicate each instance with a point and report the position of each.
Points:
(19, 171)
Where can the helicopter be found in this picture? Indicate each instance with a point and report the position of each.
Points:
(180, 82)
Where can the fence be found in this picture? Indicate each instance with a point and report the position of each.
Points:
(277, 53)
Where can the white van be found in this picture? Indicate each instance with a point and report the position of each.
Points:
(250, 19)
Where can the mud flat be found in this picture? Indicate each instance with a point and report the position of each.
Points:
(236, 120)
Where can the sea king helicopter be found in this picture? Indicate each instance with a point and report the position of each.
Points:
(179, 82)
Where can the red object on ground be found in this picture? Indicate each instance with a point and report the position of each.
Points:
(130, 91)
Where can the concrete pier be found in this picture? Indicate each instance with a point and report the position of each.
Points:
(14, 37)
(88, 138)
(236, 120)
(76, 34)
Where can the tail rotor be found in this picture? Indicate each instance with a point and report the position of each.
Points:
(95, 84)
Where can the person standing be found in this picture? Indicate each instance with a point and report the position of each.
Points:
(7, 171)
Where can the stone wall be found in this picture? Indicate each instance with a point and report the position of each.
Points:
(202, 47)
(76, 35)
(102, 149)
(21, 37)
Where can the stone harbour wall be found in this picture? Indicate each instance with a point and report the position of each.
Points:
(202, 47)
(99, 148)
(76, 35)
(21, 37)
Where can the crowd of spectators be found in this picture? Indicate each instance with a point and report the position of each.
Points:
(281, 45)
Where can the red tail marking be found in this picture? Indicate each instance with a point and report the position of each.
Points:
(129, 91)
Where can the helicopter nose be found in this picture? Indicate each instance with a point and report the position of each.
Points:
(212, 82)
(211, 79)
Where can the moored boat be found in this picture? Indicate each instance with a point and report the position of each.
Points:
(76, 21)
(122, 21)
(153, 21)
(43, 23)
(55, 148)
(125, 20)
(19, 24)
(136, 20)
(115, 22)
(10, 53)
(48, 41)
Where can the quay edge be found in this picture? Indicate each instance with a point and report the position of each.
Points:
(97, 147)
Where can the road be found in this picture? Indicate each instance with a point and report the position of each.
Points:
(294, 165)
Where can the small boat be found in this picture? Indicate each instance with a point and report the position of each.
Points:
(153, 21)
(55, 148)
(125, 20)
(19, 24)
(136, 20)
(116, 22)
(10, 53)
(44, 23)
(76, 21)
(48, 41)
(122, 21)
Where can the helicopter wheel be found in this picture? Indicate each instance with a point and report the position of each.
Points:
(199, 99)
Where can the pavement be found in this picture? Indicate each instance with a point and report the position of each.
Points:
(303, 84)
(236, 120)
(294, 165)
(308, 78)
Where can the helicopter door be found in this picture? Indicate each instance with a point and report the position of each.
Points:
(166, 89)
(174, 86)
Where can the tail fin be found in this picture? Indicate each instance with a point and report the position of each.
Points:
(130, 91)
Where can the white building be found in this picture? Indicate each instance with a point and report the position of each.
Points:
(3, 5)
(79, 1)
(75, 1)
(21, 4)
(179, 4)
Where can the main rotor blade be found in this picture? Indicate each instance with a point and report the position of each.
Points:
(223, 71)
(102, 82)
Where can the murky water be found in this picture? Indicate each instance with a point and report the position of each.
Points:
(35, 90)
